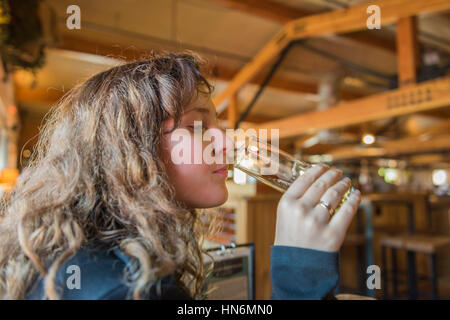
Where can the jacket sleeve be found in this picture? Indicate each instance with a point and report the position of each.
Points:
(167, 289)
(299, 273)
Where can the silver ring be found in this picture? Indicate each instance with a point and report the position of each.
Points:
(327, 206)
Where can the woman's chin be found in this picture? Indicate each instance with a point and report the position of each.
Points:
(218, 198)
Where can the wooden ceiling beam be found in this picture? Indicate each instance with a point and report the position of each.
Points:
(424, 96)
(339, 21)
(282, 13)
(407, 51)
(355, 18)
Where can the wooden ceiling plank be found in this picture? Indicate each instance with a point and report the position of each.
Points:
(225, 73)
(266, 9)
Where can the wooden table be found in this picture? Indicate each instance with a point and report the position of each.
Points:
(371, 201)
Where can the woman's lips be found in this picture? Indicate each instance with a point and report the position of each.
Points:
(222, 171)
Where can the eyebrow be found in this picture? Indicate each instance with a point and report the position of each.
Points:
(202, 110)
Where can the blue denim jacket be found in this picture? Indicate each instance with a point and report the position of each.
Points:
(296, 273)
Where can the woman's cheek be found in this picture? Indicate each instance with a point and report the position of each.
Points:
(200, 188)
(195, 184)
(195, 177)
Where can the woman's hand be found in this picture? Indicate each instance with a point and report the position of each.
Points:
(302, 222)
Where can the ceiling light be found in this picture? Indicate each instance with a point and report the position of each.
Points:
(439, 177)
(391, 175)
(368, 139)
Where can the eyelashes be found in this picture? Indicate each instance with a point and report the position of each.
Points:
(195, 127)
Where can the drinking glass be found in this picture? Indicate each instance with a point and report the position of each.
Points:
(270, 165)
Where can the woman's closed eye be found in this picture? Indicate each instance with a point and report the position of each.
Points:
(197, 127)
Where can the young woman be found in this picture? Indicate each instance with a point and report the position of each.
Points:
(102, 197)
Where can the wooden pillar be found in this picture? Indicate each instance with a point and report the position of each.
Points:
(407, 51)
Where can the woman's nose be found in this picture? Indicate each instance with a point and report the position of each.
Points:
(222, 142)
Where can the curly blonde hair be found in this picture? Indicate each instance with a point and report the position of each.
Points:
(96, 175)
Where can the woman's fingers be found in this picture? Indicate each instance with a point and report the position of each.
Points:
(302, 183)
(298, 215)
(343, 217)
(315, 192)
(333, 196)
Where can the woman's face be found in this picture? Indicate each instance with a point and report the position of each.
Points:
(198, 183)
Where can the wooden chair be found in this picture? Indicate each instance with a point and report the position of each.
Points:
(418, 243)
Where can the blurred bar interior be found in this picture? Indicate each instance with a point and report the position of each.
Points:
(372, 102)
